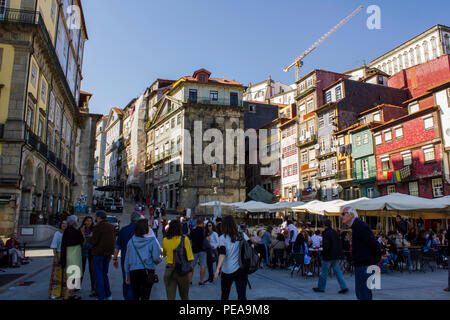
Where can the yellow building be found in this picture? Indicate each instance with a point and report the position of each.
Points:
(41, 60)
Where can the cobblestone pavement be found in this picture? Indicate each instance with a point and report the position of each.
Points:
(266, 284)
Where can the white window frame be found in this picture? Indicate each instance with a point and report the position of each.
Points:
(386, 134)
(378, 139)
(427, 124)
(413, 188)
(437, 185)
(386, 160)
(397, 136)
(406, 155)
(391, 189)
(429, 150)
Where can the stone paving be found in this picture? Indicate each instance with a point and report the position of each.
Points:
(266, 284)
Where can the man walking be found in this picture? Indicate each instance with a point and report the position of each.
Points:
(155, 226)
(125, 234)
(365, 251)
(103, 239)
(197, 237)
(331, 254)
(447, 236)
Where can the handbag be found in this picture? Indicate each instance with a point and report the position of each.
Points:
(213, 255)
(152, 277)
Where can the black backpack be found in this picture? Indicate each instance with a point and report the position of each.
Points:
(248, 258)
(180, 262)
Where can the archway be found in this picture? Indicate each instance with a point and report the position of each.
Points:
(27, 205)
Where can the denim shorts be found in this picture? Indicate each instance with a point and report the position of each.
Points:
(200, 258)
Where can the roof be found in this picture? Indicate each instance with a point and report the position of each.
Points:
(202, 70)
(379, 107)
(118, 111)
(86, 93)
(334, 83)
(212, 81)
(439, 85)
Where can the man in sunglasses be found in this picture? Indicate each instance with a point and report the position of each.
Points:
(365, 251)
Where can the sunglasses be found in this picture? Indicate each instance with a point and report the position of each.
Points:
(344, 213)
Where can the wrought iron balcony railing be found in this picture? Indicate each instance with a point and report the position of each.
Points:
(221, 102)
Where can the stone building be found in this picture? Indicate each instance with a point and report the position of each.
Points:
(41, 69)
(183, 169)
(99, 155)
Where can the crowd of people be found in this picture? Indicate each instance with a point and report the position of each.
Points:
(213, 247)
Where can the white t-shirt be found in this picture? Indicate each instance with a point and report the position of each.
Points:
(231, 262)
(214, 240)
(290, 228)
(155, 224)
(57, 240)
(316, 240)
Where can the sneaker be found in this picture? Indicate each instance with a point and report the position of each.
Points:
(343, 291)
(447, 289)
(201, 284)
(210, 281)
(53, 297)
(310, 274)
(318, 290)
(296, 268)
(291, 267)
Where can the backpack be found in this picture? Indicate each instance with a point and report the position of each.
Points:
(248, 258)
(180, 262)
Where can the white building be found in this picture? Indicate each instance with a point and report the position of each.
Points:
(113, 140)
(427, 46)
(265, 90)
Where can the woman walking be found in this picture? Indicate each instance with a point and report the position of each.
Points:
(172, 279)
(143, 253)
(72, 241)
(212, 254)
(58, 287)
(86, 251)
(229, 260)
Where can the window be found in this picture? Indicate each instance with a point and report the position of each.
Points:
(438, 188)
(179, 119)
(30, 116)
(425, 50)
(407, 158)
(365, 138)
(323, 169)
(202, 78)
(400, 62)
(413, 107)
(358, 140)
(413, 189)
(377, 117)
(338, 93)
(40, 128)
(328, 97)
(334, 164)
(331, 117)
(387, 136)
(302, 110)
(405, 59)
(428, 123)
(252, 108)
(385, 164)
(53, 10)
(391, 189)
(394, 61)
(399, 133)
(321, 121)
(178, 143)
(33, 74)
(378, 139)
(43, 90)
(304, 157)
(305, 183)
(434, 48)
(429, 154)
(193, 95)
(341, 140)
(312, 155)
(370, 193)
(311, 127)
(172, 123)
(411, 55)
(234, 99)
(418, 55)
(310, 106)
(214, 95)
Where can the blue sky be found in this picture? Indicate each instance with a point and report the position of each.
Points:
(133, 42)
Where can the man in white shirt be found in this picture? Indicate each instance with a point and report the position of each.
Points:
(316, 240)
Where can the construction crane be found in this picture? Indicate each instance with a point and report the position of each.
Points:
(298, 63)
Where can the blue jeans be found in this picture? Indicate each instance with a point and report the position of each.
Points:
(126, 288)
(324, 274)
(361, 289)
(101, 266)
(267, 253)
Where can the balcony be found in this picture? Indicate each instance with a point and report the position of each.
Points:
(59, 164)
(52, 157)
(43, 149)
(345, 175)
(31, 139)
(328, 174)
(371, 173)
(306, 140)
(220, 102)
(64, 169)
(323, 153)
